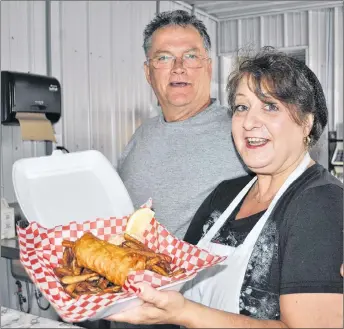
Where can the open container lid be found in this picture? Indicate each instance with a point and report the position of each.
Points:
(61, 188)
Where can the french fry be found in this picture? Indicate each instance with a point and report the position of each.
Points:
(103, 283)
(112, 289)
(87, 271)
(165, 265)
(142, 246)
(62, 271)
(94, 278)
(76, 269)
(153, 261)
(159, 270)
(70, 289)
(132, 245)
(67, 257)
(167, 258)
(67, 243)
(148, 254)
(69, 279)
(128, 238)
(91, 288)
(177, 272)
(80, 287)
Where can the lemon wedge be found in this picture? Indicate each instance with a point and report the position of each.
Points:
(138, 223)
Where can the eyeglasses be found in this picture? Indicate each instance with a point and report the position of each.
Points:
(167, 61)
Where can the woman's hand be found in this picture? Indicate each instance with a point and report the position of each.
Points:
(159, 307)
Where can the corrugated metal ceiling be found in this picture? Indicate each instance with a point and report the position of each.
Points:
(223, 10)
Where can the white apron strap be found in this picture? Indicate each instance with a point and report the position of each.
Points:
(291, 178)
(222, 219)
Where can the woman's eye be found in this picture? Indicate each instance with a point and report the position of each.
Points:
(270, 107)
(240, 108)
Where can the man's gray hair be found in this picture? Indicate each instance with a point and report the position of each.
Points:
(176, 17)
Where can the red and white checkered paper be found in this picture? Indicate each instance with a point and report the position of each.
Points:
(41, 250)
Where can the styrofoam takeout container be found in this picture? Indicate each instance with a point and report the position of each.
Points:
(57, 189)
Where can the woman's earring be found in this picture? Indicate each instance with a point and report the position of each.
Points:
(307, 140)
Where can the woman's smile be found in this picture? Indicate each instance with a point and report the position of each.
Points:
(256, 142)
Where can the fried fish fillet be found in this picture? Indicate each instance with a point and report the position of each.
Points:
(112, 262)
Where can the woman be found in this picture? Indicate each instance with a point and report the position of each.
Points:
(280, 230)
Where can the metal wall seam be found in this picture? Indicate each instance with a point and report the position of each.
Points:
(48, 145)
(338, 72)
(219, 63)
(317, 62)
(285, 31)
(89, 82)
(261, 30)
(157, 10)
(211, 26)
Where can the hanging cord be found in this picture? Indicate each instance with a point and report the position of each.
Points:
(62, 148)
(22, 299)
(38, 296)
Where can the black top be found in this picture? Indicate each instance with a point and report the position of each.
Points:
(304, 232)
(233, 232)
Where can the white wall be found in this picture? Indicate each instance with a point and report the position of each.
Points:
(98, 59)
(23, 48)
(319, 31)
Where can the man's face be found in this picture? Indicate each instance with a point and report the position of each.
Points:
(179, 86)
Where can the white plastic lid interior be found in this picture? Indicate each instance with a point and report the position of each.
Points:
(57, 189)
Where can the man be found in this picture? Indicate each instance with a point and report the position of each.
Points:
(181, 155)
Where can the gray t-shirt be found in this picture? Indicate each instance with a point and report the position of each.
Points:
(178, 164)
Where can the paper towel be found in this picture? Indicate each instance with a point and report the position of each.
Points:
(35, 127)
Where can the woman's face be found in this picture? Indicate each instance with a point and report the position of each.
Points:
(266, 136)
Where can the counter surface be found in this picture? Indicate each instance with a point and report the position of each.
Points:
(14, 319)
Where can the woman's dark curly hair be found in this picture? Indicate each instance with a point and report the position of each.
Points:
(286, 79)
